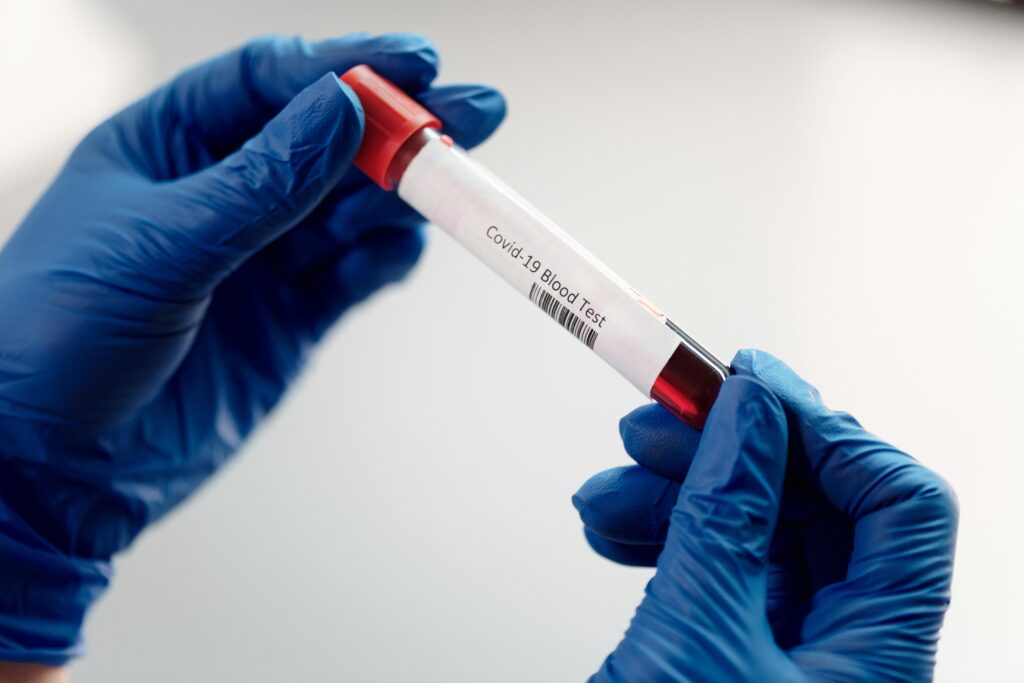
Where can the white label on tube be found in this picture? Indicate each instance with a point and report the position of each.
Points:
(540, 260)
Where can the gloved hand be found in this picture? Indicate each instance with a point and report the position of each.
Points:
(835, 568)
(165, 291)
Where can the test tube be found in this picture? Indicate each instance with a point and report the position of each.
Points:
(403, 147)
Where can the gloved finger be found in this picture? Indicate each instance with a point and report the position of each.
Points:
(857, 472)
(633, 505)
(232, 209)
(627, 504)
(905, 519)
(862, 476)
(379, 258)
(717, 549)
(658, 441)
(365, 208)
(631, 555)
(216, 106)
(468, 113)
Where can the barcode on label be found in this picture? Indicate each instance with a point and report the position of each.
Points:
(563, 316)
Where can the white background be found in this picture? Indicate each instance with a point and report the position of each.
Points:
(838, 182)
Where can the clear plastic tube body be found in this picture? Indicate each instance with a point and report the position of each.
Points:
(543, 262)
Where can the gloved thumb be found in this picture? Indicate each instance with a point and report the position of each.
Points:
(237, 206)
(714, 565)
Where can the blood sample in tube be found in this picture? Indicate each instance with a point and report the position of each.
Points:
(404, 149)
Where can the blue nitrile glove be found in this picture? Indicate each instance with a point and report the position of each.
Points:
(835, 568)
(166, 290)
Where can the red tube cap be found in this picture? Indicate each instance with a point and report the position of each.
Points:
(392, 117)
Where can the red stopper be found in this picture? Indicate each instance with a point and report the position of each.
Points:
(392, 117)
